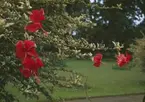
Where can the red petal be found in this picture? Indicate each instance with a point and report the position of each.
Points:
(121, 60)
(29, 63)
(20, 51)
(33, 64)
(39, 62)
(29, 44)
(30, 48)
(98, 57)
(33, 27)
(97, 64)
(32, 52)
(121, 64)
(128, 57)
(26, 72)
(37, 15)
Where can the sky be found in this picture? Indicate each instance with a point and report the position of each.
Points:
(97, 1)
(92, 0)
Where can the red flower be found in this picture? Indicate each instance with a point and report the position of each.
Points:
(25, 48)
(33, 27)
(37, 16)
(121, 60)
(128, 57)
(29, 63)
(97, 64)
(26, 52)
(39, 63)
(31, 66)
(26, 72)
(97, 59)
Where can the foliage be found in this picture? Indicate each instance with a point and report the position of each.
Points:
(114, 24)
(138, 50)
(59, 45)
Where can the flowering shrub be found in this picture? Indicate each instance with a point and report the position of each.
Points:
(121, 59)
(21, 72)
(18, 40)
(26, 50)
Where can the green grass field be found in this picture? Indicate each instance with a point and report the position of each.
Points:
(103, 80)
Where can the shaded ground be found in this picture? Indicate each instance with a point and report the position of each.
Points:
(129, 98)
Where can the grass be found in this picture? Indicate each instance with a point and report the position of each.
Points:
(103, 81)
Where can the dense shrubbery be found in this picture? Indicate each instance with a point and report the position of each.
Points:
(53, 49)
(138, 50)
(58, 45)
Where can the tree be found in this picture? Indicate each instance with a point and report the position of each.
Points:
(59, 45)
(114, 24)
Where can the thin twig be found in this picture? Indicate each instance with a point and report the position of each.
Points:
(86, 90)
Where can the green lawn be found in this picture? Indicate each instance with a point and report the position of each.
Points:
(103, 80)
